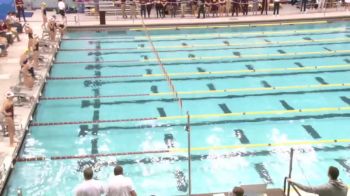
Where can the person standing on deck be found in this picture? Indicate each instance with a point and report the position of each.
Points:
(20, 10)
(123, 7)
(8, 112)
(143, 8)
(334, 187)
(235, 7)
(201, 8)
(265, 7)
(90, 186)
(119, 185)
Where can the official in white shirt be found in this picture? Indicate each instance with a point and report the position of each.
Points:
(89, 187)
(62, 9)
(120, 185)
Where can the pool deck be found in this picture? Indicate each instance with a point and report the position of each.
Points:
(9, 66)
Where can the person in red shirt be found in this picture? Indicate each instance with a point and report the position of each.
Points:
(20, 9)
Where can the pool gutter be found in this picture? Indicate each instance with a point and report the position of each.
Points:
(208, 23)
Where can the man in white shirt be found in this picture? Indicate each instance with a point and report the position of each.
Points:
(89, 187)
(62, 9)
(120, 185)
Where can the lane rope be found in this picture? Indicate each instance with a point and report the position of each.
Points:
(224, 72)
(184, 150)
(229, 90)
(197, 116)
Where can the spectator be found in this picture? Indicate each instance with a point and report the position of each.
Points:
(194, 7)
(43, 14)
(123, 8)
(334, 187)
(228, 7)
(303, 6)
(20, 9)
(173, 8)
(13, 21)
(8, 111)
(62, 9)
(3, 47)
(222, 7)
(89, 187)
(183, 7)
(143, 8)
(149, 5)
(119, 185)
(133, 9)
(276, 7)
(159, 9)
(237, 191)
(12, 30)
(207, 5)
(235, 7)
(4, 32)
(347, 5)
(164, 6)
(244, 4)
(214, 7)
(265, 7)
(255, 7)
(201, 8)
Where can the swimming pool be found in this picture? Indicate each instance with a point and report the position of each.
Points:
(253, 92)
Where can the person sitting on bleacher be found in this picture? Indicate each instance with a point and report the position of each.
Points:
(14, 22)
(3, 47)
(4, 32)
(12, 30)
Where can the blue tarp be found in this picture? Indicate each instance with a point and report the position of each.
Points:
(5, 7)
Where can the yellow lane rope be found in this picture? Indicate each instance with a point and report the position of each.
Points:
(228, 26)
(254, 113)
(215, 35)
(270, 70)
(262, 43)
(280, 144)
(230, 90)
(249, 56)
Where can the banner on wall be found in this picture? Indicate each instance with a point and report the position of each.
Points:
(5, 7)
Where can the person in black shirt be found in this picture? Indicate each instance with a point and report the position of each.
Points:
(244, 4)
(235, 7)
(201, 8)
(265, 6)
(143, 8)
(149, 5)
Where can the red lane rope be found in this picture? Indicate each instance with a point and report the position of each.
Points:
(41, 158)
(92, 97)
(93, 49)
(94, 77)
(94, 62)
(37, 124)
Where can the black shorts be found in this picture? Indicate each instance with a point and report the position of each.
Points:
(62, 12)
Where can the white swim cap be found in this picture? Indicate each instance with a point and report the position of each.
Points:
(9, 94)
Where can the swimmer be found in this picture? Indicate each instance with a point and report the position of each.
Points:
(28, 75)
(8, 111)
(43, 14)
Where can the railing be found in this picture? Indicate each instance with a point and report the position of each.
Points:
(287, 184)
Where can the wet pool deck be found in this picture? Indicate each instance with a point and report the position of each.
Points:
(9, 66)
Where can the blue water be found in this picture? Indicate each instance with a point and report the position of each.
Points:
(126, 56)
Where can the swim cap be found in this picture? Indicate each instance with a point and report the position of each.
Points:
(9, 94)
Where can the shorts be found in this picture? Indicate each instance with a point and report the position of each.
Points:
(62, 12)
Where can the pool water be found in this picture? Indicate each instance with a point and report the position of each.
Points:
(244, 88)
